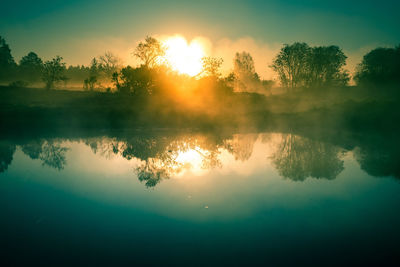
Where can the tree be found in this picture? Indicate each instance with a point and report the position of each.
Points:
(109, 63)
(138, 81)
(325, 66)
(291, 65)
(90, 83)
(149, 52)
(379, 66)
(243, 63)
(94, 72)
(245, 76)
(53, 71)
(30, 66)
(211, 66)
(77, 73)
(299, 65)
(7, 63)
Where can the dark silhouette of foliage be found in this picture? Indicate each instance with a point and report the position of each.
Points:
(7, 63)
(18, 84)
(379, 159)
(138, 81)
(77, 73)
(90, 83)
(380, 66)
(299, 65)
(94, 72)
(6, 155)
(325, 67)
(31, 67)
(53, 72)
(290, 64)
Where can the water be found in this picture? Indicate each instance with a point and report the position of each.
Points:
(198, 199)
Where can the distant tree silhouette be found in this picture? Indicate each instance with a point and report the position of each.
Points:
(244, 72)
(379, 66)
(30, 67)
(77, 73)
(53, 72)
(109, 63)
(90, 83)
(94, 72)
(7, 63)
(149, 52)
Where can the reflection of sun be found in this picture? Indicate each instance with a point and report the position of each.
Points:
(184, 57)
(192, 160)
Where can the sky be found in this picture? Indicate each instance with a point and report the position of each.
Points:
(81, 30)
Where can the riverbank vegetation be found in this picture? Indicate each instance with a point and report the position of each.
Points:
(312, 81)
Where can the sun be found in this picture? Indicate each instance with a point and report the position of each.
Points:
(184, 57)
(192, 160)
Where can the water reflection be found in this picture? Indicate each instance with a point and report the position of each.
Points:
(49, 152)
(161, 156)
(297, 158)
(6, 155)
(379, 159)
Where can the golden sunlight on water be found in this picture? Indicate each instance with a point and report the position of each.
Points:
(192, 160)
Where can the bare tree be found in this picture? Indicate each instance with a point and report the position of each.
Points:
(109, 63)
(150, 51)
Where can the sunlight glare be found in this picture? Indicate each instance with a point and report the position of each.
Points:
(184, 57)
(192, 160)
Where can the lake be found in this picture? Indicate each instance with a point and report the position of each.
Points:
(189, 198)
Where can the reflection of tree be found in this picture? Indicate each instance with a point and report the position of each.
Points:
(163, 161)
(154, 170)
(298, 158)
(50, 153)
(6, 155)
(241, 145)
(106, 147)
(160, 156)
(144, 147)
(379, 160)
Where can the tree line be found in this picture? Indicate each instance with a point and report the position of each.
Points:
(297, 66)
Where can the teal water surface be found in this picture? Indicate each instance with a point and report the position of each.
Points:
(198, 199)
